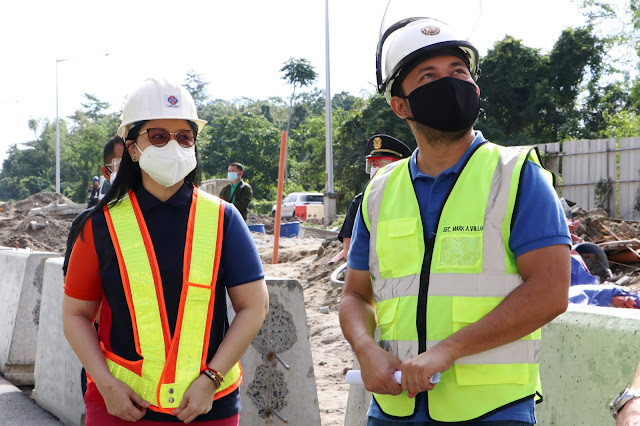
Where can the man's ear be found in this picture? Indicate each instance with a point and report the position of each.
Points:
(105, 172)
(400, 107)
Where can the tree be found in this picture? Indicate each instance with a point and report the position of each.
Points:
(246, 138)
(354, 128)
(529, 97)
(197, 87)
(33, 126)
(297, 72)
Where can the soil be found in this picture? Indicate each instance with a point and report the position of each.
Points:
(309, 260)
(306, 260)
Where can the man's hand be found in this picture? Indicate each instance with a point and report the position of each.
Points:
(629, 415)
(417, 371)
(122, 401)
(377, 367)
(197, 400)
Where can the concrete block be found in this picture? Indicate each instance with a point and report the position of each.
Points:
(316, 232)
(21, 287)
(267, 384)
(589, 354)
(57, 369)
(214, 186)
(357, 403)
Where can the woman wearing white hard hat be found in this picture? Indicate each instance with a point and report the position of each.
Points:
(160, 256)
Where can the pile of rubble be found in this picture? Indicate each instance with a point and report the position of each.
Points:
(40, 222)
(617, 238)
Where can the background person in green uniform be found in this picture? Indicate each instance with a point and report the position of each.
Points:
(238, 192)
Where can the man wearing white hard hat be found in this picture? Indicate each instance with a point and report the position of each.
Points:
(155, 253)
(460, 253)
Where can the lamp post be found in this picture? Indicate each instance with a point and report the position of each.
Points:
(329, 196)
(57, 132)
(58, 122)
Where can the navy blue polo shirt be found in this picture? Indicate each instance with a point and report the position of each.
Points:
(167, 225)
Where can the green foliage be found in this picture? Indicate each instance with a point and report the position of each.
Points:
(32, 169)
(248, 139)
(623, 124)
(197, 87)
(298, 72)
(531, 98)
(261, 206)
(354, 128)
(573, 91)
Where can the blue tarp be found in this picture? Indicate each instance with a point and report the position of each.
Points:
(579, 273)
(599, 295)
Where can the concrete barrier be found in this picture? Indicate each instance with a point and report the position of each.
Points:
(589, 354)
(357, 403)
(214, 186)
(267, 386)
(316, 232)
(20, 285)
(270, 389)
(57, 370)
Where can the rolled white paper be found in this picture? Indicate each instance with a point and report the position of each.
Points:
(354, 377)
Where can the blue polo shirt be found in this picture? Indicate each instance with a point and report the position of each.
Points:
(167, 224)
(539, 222)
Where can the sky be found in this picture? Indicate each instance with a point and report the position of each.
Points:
(237, 46)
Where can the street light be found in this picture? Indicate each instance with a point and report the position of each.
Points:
(58, 121)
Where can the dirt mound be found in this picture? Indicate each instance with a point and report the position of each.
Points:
(46, 233)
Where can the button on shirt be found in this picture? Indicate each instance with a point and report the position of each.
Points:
(539, 222)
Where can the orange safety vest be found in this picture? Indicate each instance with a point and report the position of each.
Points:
(169, 364)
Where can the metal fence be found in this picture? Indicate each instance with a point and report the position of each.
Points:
(598, 173)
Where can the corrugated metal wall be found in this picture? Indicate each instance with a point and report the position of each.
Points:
(593, 173)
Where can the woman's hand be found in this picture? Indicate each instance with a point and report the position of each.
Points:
(122, 401)
(197, 400)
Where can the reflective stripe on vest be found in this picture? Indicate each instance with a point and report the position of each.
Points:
(168, 366)
(471, 271)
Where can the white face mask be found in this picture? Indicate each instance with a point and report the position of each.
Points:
(169, 164)
(112, 177)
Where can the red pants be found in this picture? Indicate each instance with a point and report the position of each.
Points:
(97, 415)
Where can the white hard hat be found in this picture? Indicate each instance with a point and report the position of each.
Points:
(156, 99)
(411, 40)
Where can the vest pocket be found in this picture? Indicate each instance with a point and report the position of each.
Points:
(459, 252)
(491, 374)
(466, 311)
(398, 246)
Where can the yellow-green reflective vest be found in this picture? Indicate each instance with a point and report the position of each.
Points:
(169, 364)
(426, 288)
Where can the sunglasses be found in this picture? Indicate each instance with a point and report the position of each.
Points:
(113, 165)
(160, 137)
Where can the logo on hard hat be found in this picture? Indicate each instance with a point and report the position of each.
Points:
(430, 30)
(377, 143)
(172, 100)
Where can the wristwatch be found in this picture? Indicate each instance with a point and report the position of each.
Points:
(623, 397)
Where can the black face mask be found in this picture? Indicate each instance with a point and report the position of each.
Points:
(447, 104)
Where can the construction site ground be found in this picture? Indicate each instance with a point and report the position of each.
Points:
(308, 261)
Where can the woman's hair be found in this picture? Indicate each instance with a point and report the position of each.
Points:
(129, 177)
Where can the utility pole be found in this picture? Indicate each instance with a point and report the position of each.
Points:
(329, 194)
